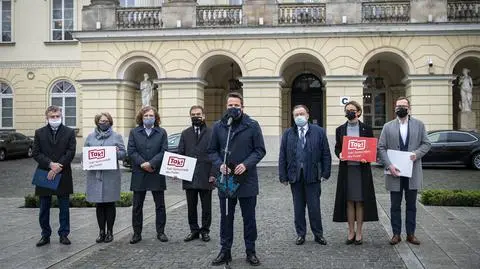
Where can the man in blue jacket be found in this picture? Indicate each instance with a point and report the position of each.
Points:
(304, 162)
(246, 149)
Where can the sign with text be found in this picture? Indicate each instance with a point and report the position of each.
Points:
(176, 165)
(358, 148)
(344, 100)
(100, 158)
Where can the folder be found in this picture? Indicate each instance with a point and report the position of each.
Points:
(40, 179)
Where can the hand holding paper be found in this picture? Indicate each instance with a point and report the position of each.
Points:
(402, 164)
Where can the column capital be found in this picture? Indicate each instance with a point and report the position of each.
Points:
(445, 77)
(344, 78)
(273, 82)
(173, 81)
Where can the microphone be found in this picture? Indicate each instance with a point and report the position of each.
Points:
(229, 121)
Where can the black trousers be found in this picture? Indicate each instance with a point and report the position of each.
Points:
(137, 211)
(192, 202)
(106, 213)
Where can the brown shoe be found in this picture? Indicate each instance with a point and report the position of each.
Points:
(395, 239)
(413, 240)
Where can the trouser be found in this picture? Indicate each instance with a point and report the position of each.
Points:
(247, 206)
(192, 202)
(64, 215)
(106, 213)
(137, 211)
(396, 208)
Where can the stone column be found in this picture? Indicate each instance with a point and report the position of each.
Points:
(184, 11)
(175, 97)
(286, 105)
(255, 9)
(116, 97)
(102, 11)
(431, 99)
(263, 102)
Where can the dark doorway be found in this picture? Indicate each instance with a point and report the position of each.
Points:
(307, 90)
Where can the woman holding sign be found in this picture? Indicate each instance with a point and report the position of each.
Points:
(355, 197)
(103, 186)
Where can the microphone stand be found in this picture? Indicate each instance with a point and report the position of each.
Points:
(224, 178)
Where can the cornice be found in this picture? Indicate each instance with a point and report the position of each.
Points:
(37, 64)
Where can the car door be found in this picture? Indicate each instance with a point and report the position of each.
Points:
(459, 147)
(438, 149)
(10, 145)
(22, 143)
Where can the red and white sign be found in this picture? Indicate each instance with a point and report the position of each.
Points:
(359, 148)
(100, 158)
(176, 165)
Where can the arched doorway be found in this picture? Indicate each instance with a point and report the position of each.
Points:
(307, 90)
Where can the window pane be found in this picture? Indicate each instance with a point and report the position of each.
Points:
(68, 35)
(7, 102)
(57, 35)
(6, 5)
(70, 101)
(6, 37)
(57, 4)
(57, 101)
(70, 111)
(7, 122)
(70, 121)
(68, 3)
(6, 27)
(57, 14)
(7, 112)
(68, 24)
(58, 24)
(68, 13)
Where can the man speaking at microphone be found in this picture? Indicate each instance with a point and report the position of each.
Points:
(245, 149)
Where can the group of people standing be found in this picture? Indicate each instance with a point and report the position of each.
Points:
(304, 163)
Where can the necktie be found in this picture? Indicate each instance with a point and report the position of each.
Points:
(302, 136)
(197, 132)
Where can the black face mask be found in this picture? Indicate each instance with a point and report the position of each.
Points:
(104, 126)
(351, 115)
(197, 121)
(402, 112)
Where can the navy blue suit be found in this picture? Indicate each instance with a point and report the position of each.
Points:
(305, 176)
(246, 146)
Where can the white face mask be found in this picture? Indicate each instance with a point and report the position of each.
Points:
(54, 123)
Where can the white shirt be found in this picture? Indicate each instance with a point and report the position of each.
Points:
(305, 129)
(403, 130)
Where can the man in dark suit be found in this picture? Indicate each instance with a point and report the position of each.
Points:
(193, 143)
(304, 162)
(54, 149)
(146, 145)
(246, 149)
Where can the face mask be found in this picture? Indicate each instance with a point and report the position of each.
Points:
(55, 123)
(104, 126)
(197, 121)
(234, 112)
(350, 115)
(300, 121)
(149, 122)
(401, 112)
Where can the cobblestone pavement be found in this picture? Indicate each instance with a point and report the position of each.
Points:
(450, 235)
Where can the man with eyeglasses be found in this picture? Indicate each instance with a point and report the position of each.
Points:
(408, 134)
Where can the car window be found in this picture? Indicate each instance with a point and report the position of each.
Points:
(173, 140)
(460, 137)
(3, 136)
(20, 136)
(440, 137)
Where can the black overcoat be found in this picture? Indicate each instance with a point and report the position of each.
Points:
(369, 201)
(190, 146)
(58, 149)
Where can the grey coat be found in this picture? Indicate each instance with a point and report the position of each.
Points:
(418, 143)
(103, 186)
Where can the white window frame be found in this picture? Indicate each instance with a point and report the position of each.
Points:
(6, 96)
(63, 96)
(1, 21)
(52, 24)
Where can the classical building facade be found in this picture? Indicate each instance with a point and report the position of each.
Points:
(278, 55)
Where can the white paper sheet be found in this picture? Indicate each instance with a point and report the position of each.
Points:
(401, 159)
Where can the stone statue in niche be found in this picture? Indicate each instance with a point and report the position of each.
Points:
(146, 87)
(466, 86)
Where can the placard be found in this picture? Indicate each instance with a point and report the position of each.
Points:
(356, 148)
(176, 165)
(100, 158)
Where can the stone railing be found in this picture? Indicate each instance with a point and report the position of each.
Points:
(467, 11)
(301, 14)
(230, 15)
(139, 18)
(389, 12)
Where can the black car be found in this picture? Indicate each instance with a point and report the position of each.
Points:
(15, 144)
(450, 147)
(173, 141)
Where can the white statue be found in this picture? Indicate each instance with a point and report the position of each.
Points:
(146, 87)
(466, 85)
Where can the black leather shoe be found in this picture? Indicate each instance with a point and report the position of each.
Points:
(191, 236)
(136, 238)
(64, 240)
(350, 241)
(300, 240)
(205, 237)
(43, 241)
(320, 240)
(222, 258)
(101, 237)
(253, 260)
(162, 237)
(108, 237)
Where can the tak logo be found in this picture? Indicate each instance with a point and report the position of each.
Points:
(357, 144)
(96, 154)
(177, 162)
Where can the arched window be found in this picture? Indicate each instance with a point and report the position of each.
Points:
(6, 106)
(65, 96)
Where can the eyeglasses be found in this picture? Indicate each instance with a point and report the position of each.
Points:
(401, 107)
(352, 111)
